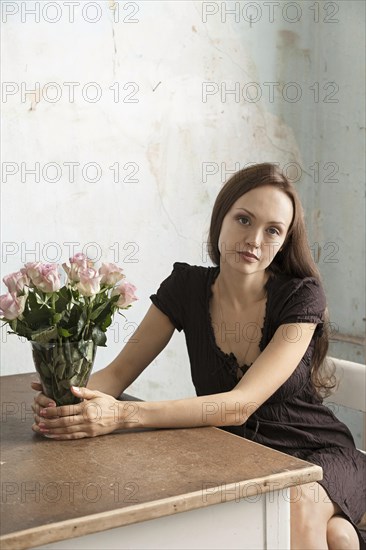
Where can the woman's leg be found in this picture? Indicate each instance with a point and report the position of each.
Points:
(341, 535)
(316, 523)
(311, 510)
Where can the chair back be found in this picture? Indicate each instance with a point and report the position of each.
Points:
(351, 388)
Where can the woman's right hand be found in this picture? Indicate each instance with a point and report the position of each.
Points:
(40, 401)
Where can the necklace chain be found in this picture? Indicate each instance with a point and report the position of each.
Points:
(223, 321)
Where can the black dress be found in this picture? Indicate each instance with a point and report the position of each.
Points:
(293, 420)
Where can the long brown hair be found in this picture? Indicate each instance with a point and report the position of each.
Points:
(294, 257)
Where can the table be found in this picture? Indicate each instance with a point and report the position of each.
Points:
(173, 488)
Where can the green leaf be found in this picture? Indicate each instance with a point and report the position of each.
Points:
(63, 332)
(36, 316)
(64, 298)
(60, 366)
(98, 336)
(20, 328)
(82, 321)
(44, 335)
(32, 301)
(87, 349)
(67, 383)
(99, 310)
(45, 370)
(107, 321)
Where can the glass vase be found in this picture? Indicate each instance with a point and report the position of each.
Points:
(62, 365)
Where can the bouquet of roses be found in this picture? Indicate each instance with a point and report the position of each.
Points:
(65, 322)
(39, 308)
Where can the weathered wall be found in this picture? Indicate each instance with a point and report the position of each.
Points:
(175, 115)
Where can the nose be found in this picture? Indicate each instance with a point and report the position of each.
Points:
(253, 245)
(253, 240)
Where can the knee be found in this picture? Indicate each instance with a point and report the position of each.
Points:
(341, 535)
(337, 538)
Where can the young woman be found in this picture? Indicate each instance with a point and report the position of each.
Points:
(256, 334)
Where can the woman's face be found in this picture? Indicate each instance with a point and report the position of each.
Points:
(255, 228)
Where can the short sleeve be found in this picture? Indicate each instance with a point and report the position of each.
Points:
(170, 296)
(305, 303)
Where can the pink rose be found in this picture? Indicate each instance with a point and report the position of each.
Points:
(81, 260)
(45, 277)
(17, 282)
(78, 262)
(11, 305)
(127, 294)
(111, 274)
(89, 283)
(72, 273)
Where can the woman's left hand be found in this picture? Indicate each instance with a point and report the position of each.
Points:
(97, 414)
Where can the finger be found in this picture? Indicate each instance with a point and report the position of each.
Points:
(69, 422)
(65, 436)
(43, 401)
(36, 409)
(75, 435)
(63, 431)
(35, 428)
(36, 386)
(64, 410)
(85, 393)
(38, 419)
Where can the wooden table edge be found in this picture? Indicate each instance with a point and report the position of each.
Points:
(86, 525)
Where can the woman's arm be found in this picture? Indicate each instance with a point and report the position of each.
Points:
(148, 340)
(269, 371)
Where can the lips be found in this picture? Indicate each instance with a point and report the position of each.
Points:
(249, 255)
